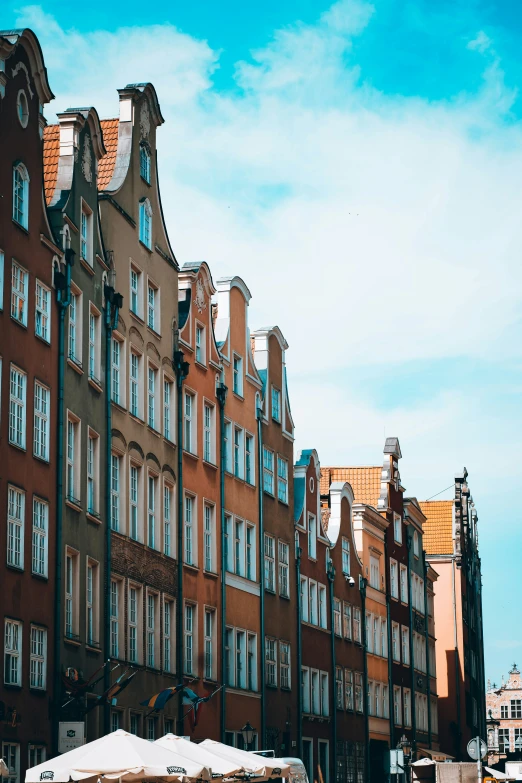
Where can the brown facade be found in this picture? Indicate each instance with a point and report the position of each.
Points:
(28, 357)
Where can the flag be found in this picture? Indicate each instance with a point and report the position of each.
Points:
(110, 695)
(159, 700)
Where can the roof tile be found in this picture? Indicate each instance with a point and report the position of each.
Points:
(365, 482)
(107, 163)
(51, 155)
(438, 528)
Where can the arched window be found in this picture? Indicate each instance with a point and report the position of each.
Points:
(21, 195)
(415, 543)
(145, 163)
(146, 223)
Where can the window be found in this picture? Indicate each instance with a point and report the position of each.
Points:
(276, 404)
(347, 621)
(269, 563)
(357, 624)
(339, 688)
(313, 603)
(36, 754)
(209, 644)
(312, 537)
(168, 396)
(12, 652)
(250, 553)
(15, 527)
(115, 720)
(116, 390)
(152, 307)
(375, 580)
(41, 422)
(86, 235)
(368, 632)
(189, 529)
(404, 584)
(249, 459)
(516, 708)
(282, 479)
(305, 689)
(325, 701)
(151, 511)
(315, 693)
(92, 602)
(189, 444)
(322, 606)
(397, 528)
(284, 665)
(394, 579)
(229, 665)
(252, 662)
(337, 617)
(21, 195)
(40, 539)
(167, 636)
(93, 468)
(384, 638)
(348, 689)
(271, 662)
(304, 591)
(73, 460)
(134, 609)
(503, 740)
(152, 379)
(135, 291)
(17, 392)
(144, 163)
(200, 344)
(237, 375)
(71, 594)
(396, 653)
(239, 547)
(75, 328)
(115, 492)
(115, 618)
(146, 223)
(19, 284)
(151, 729)
(268, 470)
(346, 556)
(94, 345)
(504, 711)
(134, 385)
(376, 635)
(359, 701)
(11, 754)
(151, 630)
(240, 659)
(167, 519)
(238, 452)
(284, 582)
(208, 421)
(405, 649)
(208, 533)
(415, 543)
(42, 322)
(397, 706)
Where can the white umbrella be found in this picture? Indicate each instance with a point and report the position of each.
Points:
(221, 768)
(118, 755)
(4, 772)
(251, 763)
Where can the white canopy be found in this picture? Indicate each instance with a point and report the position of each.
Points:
(255, 765)
(495, 773)
(4, 772)
(118, 755)
(196, 752)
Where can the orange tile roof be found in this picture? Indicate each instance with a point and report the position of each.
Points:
(107, 163)
(51, 154)
(365, 482)
(438, 528)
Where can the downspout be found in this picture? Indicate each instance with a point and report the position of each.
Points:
(457, 664)
(298, 552)
(362, 587)
(427, 639)
(259, 413)
(181, 368)
(389, 641)
(113, 302)
(412, 653)
(221, 393)
(63, 297)
(330, 572)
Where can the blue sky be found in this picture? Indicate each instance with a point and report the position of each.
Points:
(359, 165)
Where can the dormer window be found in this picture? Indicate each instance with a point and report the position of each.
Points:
(146, 223)
(237, 375)
(86, 234)
(145, 163)
(276, 404)
(415, 543)
(21, 195)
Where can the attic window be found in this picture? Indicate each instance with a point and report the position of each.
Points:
(145, 163)
(22, 109)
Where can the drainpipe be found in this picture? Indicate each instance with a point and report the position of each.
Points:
(221, 393)
(113, 302)
(427, 639)
(298, 553)
(330, 572)
(63, 297)
(181, 368)
(412, 652)
(457, 664)
(363, 582)
(262, 672)
(389, 642)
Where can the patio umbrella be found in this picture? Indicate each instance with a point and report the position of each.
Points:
(252, 763)
(221, 768)
(121, 756)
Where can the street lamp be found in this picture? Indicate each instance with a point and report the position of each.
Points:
(248, 734)
(404, 744)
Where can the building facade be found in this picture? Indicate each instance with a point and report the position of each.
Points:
(504, 717)
(28, 388)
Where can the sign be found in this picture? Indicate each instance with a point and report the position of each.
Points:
(473, 746)
(396, 762)
(70, 735)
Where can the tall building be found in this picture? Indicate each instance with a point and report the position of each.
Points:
(504, 716)
(451, 544)
(28, 389)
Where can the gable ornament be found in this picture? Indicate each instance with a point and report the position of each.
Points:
(199, 299)
(87, 159)
(144, 120)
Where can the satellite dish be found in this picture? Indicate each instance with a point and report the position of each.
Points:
(473, 746)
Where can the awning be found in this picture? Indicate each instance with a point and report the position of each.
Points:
(436, 755)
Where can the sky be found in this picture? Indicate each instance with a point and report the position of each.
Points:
(359, 165)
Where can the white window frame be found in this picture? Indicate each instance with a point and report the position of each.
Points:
(152, 510)
(271, 661)
(282, 479)
(269, 562)
(72, 593)
(75, 320)
(135, 290)
(394, 578)
(285, 667)
(268, 471)
(15, 527)
(250, 459)
(94, 358)
(19, 293)
(134, 616)
(189, 422)
(312, 537)
(40, 537)
(21, 181)
(73, 459)
(209, 622)
(135, 383)
(152, 395)
(17, 406)
(283, 558)
(169, 417)
(397, 528)
(189, 529)
(93, 472)
(209, 413)
(92, 600)
(168, 519)
(145, 227)
(42, 318)
(42, 415)
(189, 637)
(403, 583)
(237, 374)
(145, 162)
(209, 536)
(200, 344)
(153, 306)
(86, 234)
(168, 633)
(276, 404)
(117, 369)
(13, 630)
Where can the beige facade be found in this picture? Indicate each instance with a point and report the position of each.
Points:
(504, 716)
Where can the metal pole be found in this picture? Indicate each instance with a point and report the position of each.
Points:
(330, 571)
(479, 761)
(362, 586)
(262, 673)
(221, 393)
(299, 649)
